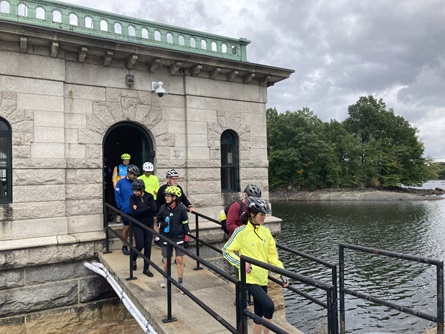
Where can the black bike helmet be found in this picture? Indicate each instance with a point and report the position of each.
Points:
(138, 184)
(255, 204)
(253, 190)
(133, 170)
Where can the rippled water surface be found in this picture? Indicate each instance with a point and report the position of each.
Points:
(408, 227)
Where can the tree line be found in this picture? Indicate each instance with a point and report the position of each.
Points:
(371, 148)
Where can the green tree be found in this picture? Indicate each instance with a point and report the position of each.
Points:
(298, 152)
(392, 154)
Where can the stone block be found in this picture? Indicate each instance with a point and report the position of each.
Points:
(83, 190)
(29, 177)
(21, 152)
(81, 176)
(47, 150)
(48, 119)
(71, 136)
(75, 92)
(75, 151)
(94, 288)
(93, 151)
(78, 106)
(33, 228)
(197, 140)
(11, 279)
(197, 127)
(39, 102)
(79, 224)
(49, 135)
(35, 210)
(75, 121)
(35, 298)
(56, 272)
(52, 69)
(37, 193)
(94, 75)
(89, 137)
(83, 207)
(198, 153)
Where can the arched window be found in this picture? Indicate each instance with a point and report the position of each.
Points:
(23, 10)
(57, 16)
(103, 25)
(144, 33)
(229, 162)
(181, 40)
(89, 22)
(118, 28)
(40, 13)
(5, 162)
(131, 31)
(5, 7)
(74, 20)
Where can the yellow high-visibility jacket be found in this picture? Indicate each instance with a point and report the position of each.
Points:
(254, 241)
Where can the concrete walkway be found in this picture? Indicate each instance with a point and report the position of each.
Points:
(151, 299)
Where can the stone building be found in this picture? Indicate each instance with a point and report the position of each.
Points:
(77, 89)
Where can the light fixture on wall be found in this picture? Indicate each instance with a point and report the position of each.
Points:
(129, 79)
(158, 88)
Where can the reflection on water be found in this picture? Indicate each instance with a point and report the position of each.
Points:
(409, 227)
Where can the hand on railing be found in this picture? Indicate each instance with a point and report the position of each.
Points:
(285, 280)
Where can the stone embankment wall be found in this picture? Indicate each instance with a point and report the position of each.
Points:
(356, 195)
(48, 290)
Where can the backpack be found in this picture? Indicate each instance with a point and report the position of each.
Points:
(223, 215)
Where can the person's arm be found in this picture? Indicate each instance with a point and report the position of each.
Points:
(230, 250)
(115, 177)
(160, 197)
(156, 185)
(185, 221)
(185, 200)
(118, 198)
(138, 211)
(233, 217)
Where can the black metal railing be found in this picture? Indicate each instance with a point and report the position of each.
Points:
(331, 304)
(438, 318)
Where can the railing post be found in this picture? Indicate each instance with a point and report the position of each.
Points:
(197, 242)
(440, 299)
(341, 268)
(131, 251)
(332, 311)
(169, 285)
(107, 233)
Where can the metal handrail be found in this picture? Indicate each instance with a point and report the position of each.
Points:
(105, 25)
(438, 319)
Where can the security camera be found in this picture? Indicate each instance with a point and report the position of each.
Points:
(158, 88)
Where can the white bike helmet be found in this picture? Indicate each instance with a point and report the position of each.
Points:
(148, 167)
(172, 173)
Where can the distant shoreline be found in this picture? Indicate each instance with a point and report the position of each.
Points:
(395, 194)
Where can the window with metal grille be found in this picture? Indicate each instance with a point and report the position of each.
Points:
(229, 162)
(5, 162)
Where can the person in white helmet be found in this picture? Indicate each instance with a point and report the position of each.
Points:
(151, 181)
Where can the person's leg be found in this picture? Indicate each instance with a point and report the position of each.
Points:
(264, 306)
(125, 232)
(148, 236)
(139, 237)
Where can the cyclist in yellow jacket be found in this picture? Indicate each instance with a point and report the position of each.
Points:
(254, 240)
(119, 172)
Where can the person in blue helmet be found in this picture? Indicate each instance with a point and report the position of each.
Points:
(122, 194)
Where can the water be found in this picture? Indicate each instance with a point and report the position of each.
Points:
(408, 227)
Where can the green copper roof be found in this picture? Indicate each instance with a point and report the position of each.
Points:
(104, 25)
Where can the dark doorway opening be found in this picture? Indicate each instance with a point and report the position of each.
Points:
(124, 137)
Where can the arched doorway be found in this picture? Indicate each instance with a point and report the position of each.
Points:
(124, 137)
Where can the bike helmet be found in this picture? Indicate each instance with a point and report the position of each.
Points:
(172, 173)
(125, 156)
(148, 167)
(255, 204)
(253, 190)
(173, 190)
(138, 184)
(133, 170)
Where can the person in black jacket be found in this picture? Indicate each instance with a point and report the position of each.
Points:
(143, 209)
(172, 180)
(173, 222)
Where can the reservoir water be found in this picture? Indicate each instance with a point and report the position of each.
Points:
(408, 227)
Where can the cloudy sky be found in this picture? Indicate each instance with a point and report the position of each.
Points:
(340, 50)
